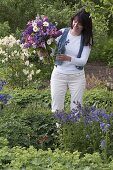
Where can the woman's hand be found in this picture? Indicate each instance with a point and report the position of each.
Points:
(63, 57)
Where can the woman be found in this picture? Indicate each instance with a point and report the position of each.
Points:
(73, 52)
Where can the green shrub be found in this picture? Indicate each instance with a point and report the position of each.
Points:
(30, 159)
(54, 12)
(103, 51)
(4, 29)
(23, 97)
(100, 98)
(28, 126)
(28, 111)
(15, 60)
(107, 51)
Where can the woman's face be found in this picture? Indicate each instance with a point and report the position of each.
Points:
(77, 26)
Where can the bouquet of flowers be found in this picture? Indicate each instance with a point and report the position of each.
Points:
(40, 35)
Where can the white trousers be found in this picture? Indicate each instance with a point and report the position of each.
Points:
(76, 84)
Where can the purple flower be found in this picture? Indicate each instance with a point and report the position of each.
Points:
(37, 32)
(104, 126)
(2, 83)
(27, 45)
(88, 116)
(4, 98)
(103, 144)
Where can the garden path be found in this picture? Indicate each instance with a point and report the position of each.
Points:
(98, 71)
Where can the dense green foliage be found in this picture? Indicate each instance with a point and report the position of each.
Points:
(18, 13)
(28, 126)
(100, 98)
(30, 159)
(4, 29)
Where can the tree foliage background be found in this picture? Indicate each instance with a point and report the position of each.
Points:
(18, 12)
(14, 14)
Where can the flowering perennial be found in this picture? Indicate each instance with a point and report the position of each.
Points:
(16, 60)
(94, 125)
(3, 97)
(88, 115)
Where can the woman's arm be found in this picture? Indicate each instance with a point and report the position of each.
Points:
(77, 61)
(84, 57)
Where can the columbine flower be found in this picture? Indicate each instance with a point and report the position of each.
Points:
(49, 41)
(40, 33)
(104, 126)
(44, 18)
(4, 98)
(45, 24)
(2, 83)
(35, 29)
(34, 24)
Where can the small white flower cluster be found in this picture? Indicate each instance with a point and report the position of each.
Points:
(13, 53)
(9, 41)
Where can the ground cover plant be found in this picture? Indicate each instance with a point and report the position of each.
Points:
(17, 158)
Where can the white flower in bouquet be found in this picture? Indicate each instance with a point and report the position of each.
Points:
(35, 29)
(49, 41)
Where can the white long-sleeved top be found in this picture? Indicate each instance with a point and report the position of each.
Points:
(71, 49)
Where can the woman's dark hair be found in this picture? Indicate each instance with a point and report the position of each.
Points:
(85, 20)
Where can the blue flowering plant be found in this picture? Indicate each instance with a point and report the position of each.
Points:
(86, 129)
(3, 97)
(39, 36)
